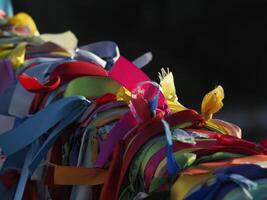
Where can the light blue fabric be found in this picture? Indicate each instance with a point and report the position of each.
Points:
(172, 166)
(35, 126)
(6, 5)
(33, 159)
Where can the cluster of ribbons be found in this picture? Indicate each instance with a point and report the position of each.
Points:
(86, 123)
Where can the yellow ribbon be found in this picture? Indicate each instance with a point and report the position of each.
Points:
(212, 102)
(17, 55)
(124, 95)
(185, 183)
(66, 40)
(169, 91)
(23, 19)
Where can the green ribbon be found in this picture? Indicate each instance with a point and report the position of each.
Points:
(91, 86)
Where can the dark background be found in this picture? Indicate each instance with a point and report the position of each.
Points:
(204, 43)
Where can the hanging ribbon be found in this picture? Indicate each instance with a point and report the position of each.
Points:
(58, 110)
(33, 85)
(173, 167)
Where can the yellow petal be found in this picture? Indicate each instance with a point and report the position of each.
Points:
(23, 19)
(124, 95)
(212, 102)
(17, 55)
(169, 91)
(175, 106)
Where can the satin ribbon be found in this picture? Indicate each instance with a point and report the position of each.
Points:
(67, 39)
(113, 174)
(105, 117)
(23, 19)
(237, 193)
(77, 112)
(40, 60)
(22, 99)
(94, 109)
(59, 110)
(203, 168)
(143, 60)
(6, 5)
(86, 86)
(7, 123)
(35, 156)
(104, 53)
(185, 158)
(198, 148)
(191, 160)
(71, 70)
(125, 124)
(47, 48)
(62, 72)
(24, 173)
(20, 102)
(67, 175)
(33, 85)
(191, 177)
(172, 166)
(83, 156)
(133, 76)
(243, 173)
(134, 180)
(102, 117)
(151, 131)
(6, 74)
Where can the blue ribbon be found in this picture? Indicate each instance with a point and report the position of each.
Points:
(6, 5)
(153, 104)
(54, 135)
(33, 159)
(107, 50)
(41, 122)
(209, 190)
(172, 166)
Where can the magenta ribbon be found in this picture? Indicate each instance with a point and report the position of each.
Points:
(126, 123)
(129, 76)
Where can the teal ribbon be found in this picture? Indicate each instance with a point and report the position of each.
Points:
(6, 5)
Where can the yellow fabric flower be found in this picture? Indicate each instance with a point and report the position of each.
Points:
(23, 19)
(212, 102)
(169, 91)
(17, 55)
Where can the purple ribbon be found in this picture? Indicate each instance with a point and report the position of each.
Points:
(6, 74)
(126, 123)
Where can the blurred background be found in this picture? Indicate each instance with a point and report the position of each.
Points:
(204, 44)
